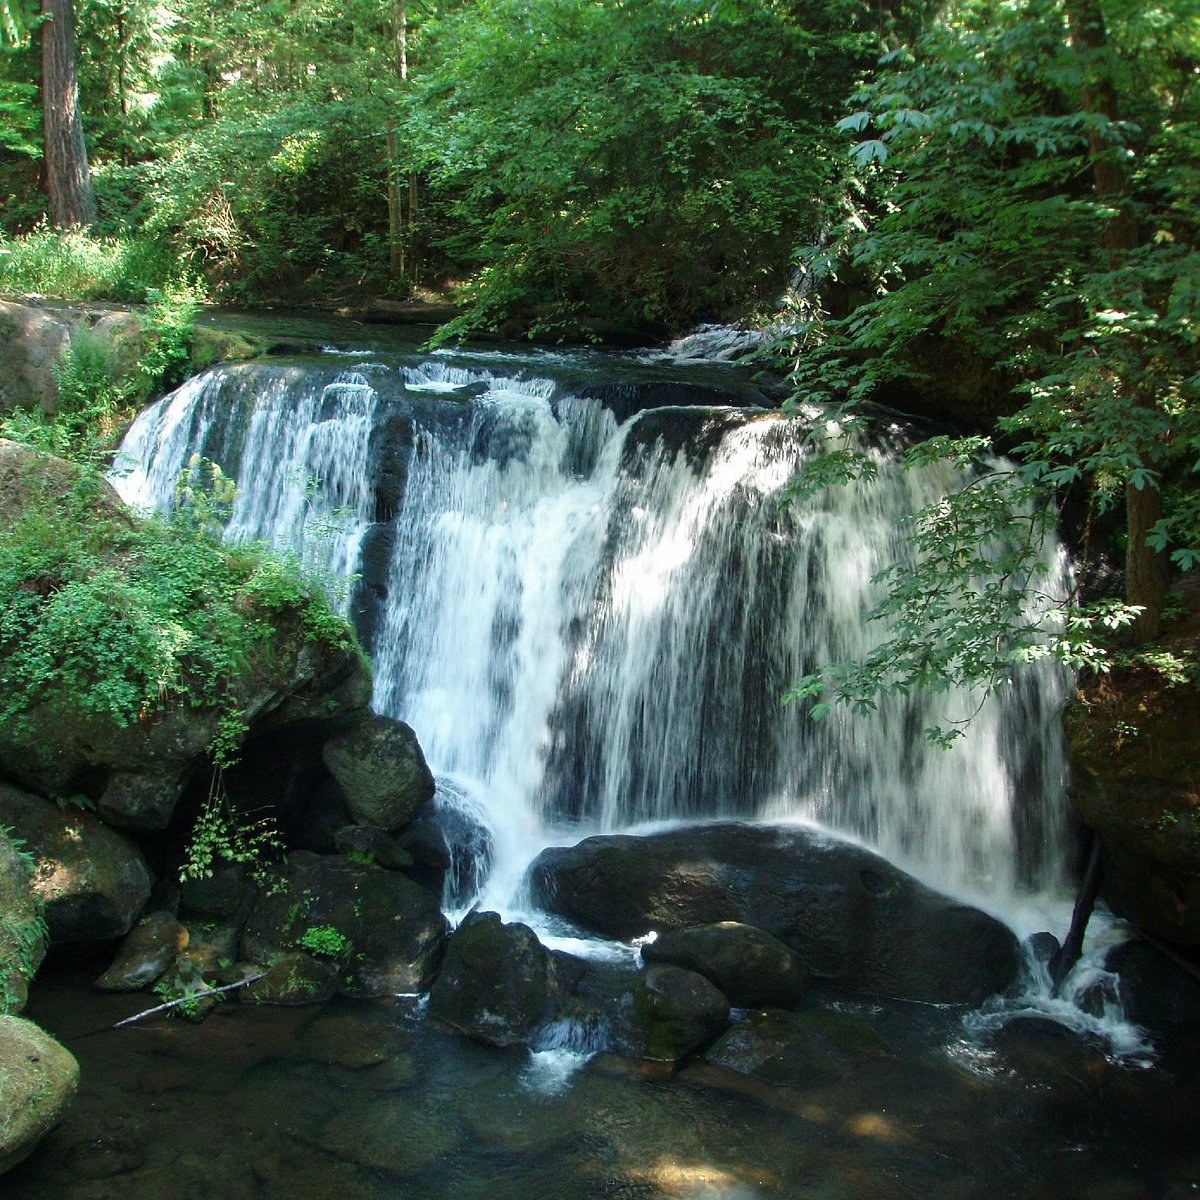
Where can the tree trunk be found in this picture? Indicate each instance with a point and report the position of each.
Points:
(68, 180)
(1145, 569)
(395, 206)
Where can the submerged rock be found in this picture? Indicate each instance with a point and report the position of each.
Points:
(145, 954)
(38, 1078)
(854, 918)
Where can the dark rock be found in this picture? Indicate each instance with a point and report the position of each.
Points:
(425, 842)
(380, 931)
(38, 1078)
(854, 918)
(368, 844)
(751, 967)
(224, 893)
(496, 982)
(1153, 988)
(145, 954)
(452, 831)
(92, 880)
(797, 1050)
(381, 770)
(679, 1012)
(1042, 947)
(293, 979)
(22, 933)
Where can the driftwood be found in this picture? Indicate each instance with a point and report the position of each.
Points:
(159, 1008)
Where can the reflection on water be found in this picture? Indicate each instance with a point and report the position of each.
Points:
(373, 1101)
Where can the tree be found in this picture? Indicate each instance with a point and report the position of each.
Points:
(68, 178)
(1006, 216)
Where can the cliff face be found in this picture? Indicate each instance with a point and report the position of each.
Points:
(1135, 752)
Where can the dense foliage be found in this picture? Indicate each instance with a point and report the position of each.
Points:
(1022, 234)
(634, 161)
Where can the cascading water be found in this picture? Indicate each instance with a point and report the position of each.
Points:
(590, 621)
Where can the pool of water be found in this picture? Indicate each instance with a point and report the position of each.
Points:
(373, 1100)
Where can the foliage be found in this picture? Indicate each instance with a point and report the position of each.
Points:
(222, 835)
(977, 236)
(326, 941)
(119, 619)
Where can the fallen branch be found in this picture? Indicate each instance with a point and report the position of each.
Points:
(158, 1008)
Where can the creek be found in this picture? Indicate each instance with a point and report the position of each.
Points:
(578, 585)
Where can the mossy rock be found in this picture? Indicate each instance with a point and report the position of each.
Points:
(210, 346)
(38, 1078)
(22, 931)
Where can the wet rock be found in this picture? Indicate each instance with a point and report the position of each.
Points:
(365, 843)
(752, 968)
(1042, 947)
(399, 1140)
(145, 954)
(92, 880)
(1153, 988)
(382, 933)
(678, 1011)
(796, 1050)
(451, 846)
(38, 1078)
(380, 767)
(221, 894)
(294, 979)
(22, 932)
(496, 982)
(854, 918)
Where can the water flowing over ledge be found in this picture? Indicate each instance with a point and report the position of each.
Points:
(589, 612)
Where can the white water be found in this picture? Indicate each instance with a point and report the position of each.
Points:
(589, 629)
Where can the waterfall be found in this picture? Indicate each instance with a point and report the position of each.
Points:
(590, 621)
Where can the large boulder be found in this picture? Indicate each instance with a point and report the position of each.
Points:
(91, 880)
(678, 1012)
(858, 921)
(38, 1078)
(497, 983)
(22, 931)
(381, 770)
(382, 933)
(752, 968)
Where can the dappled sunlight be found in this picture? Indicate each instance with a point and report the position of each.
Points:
(674, 1178)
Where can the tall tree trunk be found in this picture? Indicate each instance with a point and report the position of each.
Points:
(1145, 569)
(68, 180)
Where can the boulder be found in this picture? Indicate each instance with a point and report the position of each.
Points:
(451, 846)
(31, 342)
(92, 881)
(752, 968)
(1154, 989)
(796, 1050)
(382, 771)
(22, 931)
(368, 844)
(145, 954)
(381, 933)
(294, 979)
(678, 1012)
(38, 1078)
(497, 981)
(858, 921)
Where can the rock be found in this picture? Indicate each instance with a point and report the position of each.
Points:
(294, 979)
(92, 881)
(38, 1077)
(1136, 781)
(31, 479)
(145, 954)
(1153, 988)
(752, 968)
(31, 342)
(222, 894)
(796, 1050)
(365, 843)
(678, 1011)
(496, 982)
(450, 844)
(382, 933)
(381, 770)
(22, 930)
(857, 921)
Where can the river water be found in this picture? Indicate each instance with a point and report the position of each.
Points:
(578, 585)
